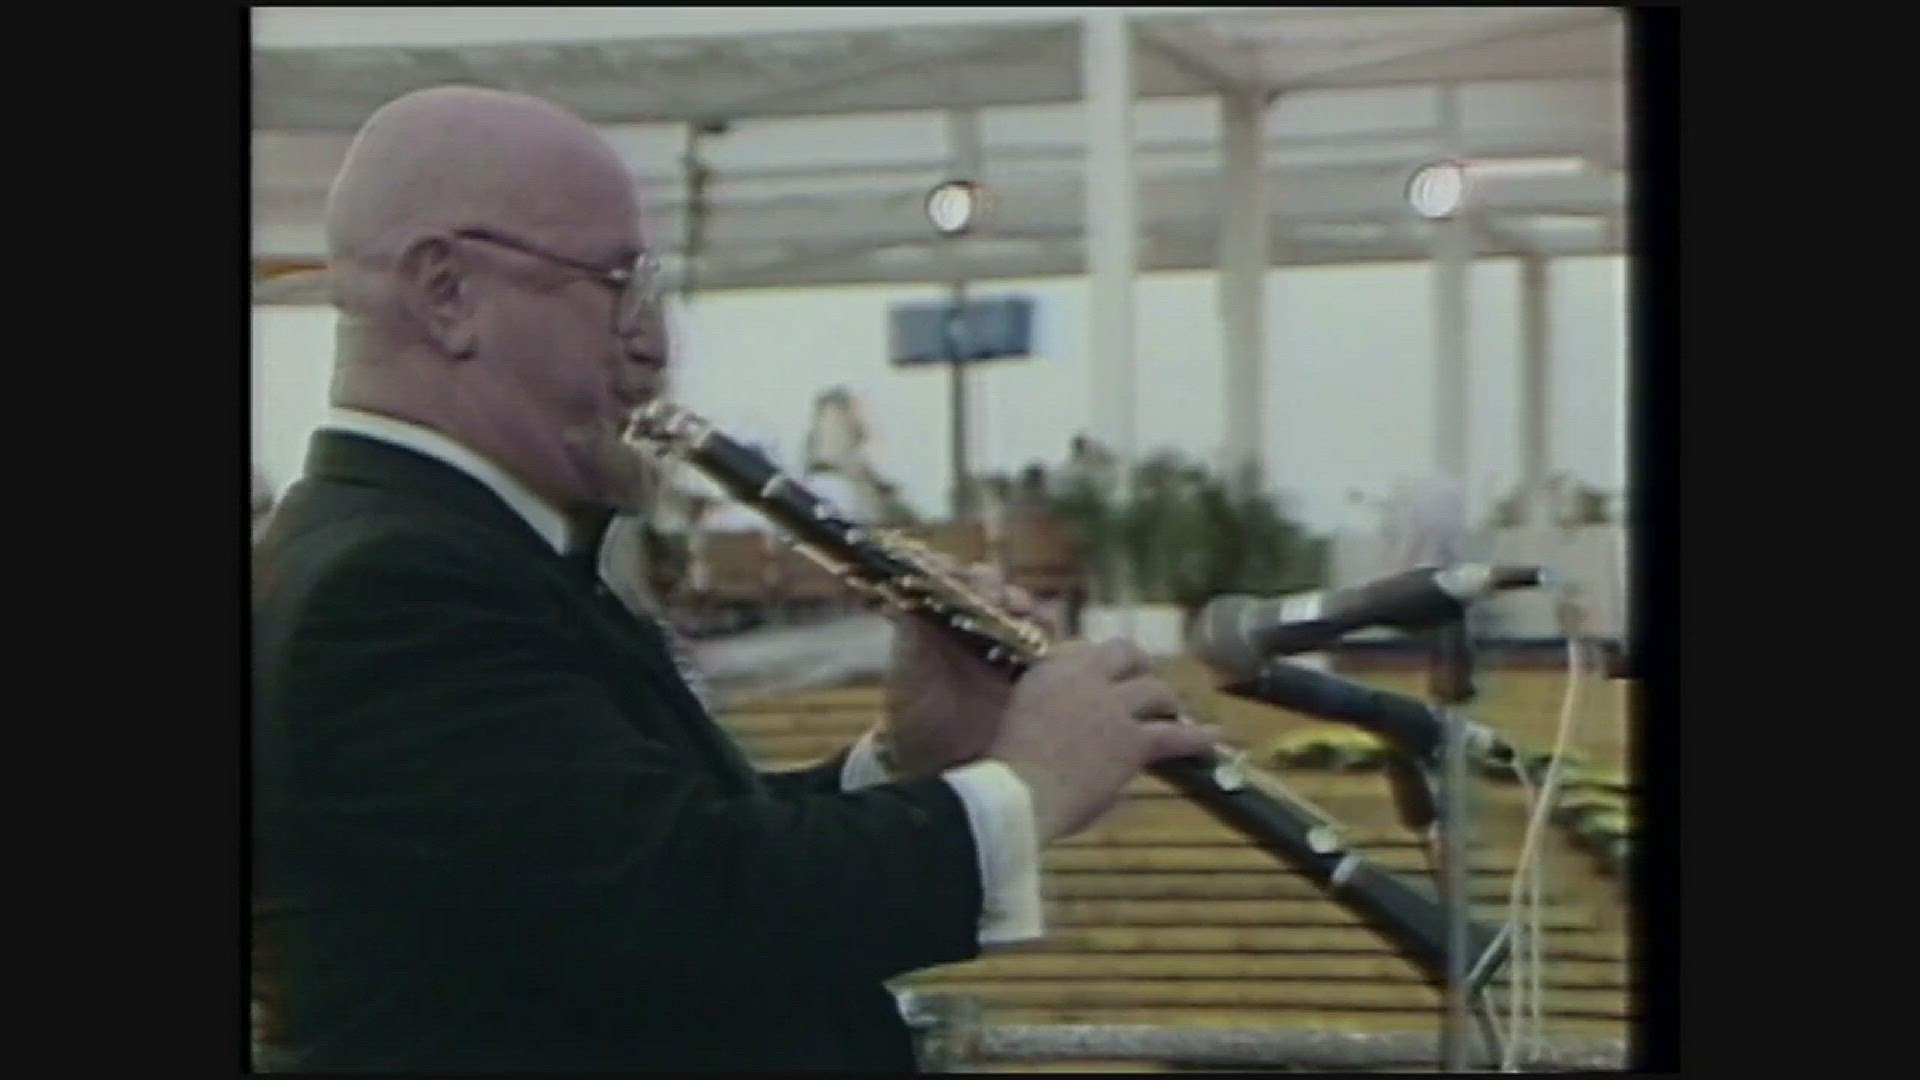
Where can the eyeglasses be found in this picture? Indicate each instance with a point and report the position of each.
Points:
(638, 287)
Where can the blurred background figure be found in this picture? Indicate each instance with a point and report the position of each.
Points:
(262, 501)
(1089, 464)
(1426, 522)
(834, 464)
(1029, 495)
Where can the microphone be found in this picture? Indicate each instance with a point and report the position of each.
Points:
(1406, 721)
(1237, 632)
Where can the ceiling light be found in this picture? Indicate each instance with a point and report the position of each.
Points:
(953, 205)
(1436, 191)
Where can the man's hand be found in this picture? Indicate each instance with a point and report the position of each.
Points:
(944, 705)
(1083, 723)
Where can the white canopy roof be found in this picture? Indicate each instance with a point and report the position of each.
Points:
(824, 128)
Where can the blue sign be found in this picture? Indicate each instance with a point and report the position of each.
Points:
(936, 333)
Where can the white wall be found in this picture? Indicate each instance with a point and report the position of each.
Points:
(1349, 377)
(292, 366)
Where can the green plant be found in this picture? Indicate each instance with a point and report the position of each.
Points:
(1093, 515)
(1592, 806)
(1184, 535)
(1508, 513)
(1334, 751)
(1591, 506)
(1578, 505)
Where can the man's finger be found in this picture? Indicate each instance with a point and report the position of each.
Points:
(1121, 659)
(1172, 739)
(1149, 698)
(1021, 600)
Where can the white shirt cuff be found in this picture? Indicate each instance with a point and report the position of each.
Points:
(1000, 810)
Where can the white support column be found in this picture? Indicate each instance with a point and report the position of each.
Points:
(1536, 403)
(1112, 229)
(965, 156)
(1242, 284)
(1453, 254)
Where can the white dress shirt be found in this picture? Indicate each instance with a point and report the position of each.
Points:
(998, 805)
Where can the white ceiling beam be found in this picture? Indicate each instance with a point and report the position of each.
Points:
(1349, 74)
(909, 259)
(1012, 83)
(364, 56)
(1302, 195)
(811, 85)
(1495, 234)
(1201, 69)
(283, 161)
(1314, 190)
(469, 27)
(449, 27)
(1158, 253)
(1041, 206)
(282, 99)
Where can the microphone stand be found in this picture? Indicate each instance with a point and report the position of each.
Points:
(1451, 684)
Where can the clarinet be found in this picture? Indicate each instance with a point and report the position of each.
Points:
(903, 575)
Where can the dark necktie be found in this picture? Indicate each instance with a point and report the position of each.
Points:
(584, 566)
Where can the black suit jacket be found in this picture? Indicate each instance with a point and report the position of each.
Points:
(508, 837)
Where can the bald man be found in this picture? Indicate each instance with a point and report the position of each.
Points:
(506, 834)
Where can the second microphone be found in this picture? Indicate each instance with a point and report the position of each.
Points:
(1239, 632)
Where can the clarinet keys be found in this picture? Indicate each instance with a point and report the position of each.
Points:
(1229, 770)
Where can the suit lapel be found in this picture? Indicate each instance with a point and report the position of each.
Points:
(634, 647)
(637, 638)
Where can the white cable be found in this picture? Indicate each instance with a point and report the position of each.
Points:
(1524, 997)
(1576, 671)
(1536, 967)
(1517, 928)
(1490, 1025)
(1571, 624)
(1509, 933)
(1523, 926)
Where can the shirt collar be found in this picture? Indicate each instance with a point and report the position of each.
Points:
(548, 522)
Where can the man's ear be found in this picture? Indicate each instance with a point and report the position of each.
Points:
(439, 297)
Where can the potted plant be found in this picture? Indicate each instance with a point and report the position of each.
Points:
(1181, 536)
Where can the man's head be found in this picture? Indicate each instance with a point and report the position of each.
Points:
(481, 245)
